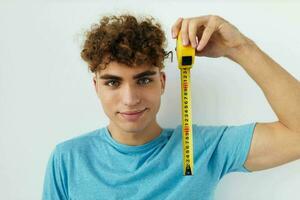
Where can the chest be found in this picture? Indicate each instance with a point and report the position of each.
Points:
(158, 180)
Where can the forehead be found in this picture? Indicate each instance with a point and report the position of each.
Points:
(123, 70)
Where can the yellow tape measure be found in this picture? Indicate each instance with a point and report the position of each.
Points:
(186, 57)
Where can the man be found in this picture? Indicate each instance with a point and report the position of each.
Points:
(133, 157)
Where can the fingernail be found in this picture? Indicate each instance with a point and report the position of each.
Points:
(185, 42)
(173, 35)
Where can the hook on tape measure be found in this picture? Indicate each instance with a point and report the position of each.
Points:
(186, 58)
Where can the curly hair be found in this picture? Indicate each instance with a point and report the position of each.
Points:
(126, 40)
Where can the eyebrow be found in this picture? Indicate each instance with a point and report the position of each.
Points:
(137, 76)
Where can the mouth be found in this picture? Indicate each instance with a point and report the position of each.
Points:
(132, 115)
(133, 112)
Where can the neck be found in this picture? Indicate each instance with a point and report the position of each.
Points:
(134, 137)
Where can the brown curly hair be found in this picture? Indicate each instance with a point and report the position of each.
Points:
(126, 40)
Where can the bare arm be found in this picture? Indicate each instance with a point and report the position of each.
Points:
(273, 143)
(278, 142)
(280, 88)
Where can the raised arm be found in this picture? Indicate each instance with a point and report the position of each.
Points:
(273, 143)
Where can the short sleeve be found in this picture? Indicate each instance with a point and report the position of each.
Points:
(227, 147)
(54, 188)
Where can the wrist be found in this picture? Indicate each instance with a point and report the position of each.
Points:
(241, 52)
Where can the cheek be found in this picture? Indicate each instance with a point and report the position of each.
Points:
(153, 96)
(108, 99)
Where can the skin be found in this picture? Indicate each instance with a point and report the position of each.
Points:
(273, 143)
(130, 94)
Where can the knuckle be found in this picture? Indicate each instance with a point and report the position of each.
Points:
(214, 18)
(192, 25)
(212, 23)
(185, 20)
(210, 27)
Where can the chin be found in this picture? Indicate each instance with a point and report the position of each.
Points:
(132, 127)
(137, 126)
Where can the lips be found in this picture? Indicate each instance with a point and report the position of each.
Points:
(132, 115)
(133, 112)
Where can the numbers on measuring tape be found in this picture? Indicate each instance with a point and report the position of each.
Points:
(186, 122)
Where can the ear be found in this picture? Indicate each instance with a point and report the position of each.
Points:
(163, 81)
(95, 83)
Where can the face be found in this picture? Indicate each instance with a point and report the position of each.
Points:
(130, 96)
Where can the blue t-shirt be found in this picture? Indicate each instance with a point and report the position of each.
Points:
(94, 166)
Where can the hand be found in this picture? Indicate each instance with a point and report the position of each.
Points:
(217, 36)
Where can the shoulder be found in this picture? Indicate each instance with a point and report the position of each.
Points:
(214, 134)
(82, 142)
(213, 130)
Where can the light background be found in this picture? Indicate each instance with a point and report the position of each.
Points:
(47, 96)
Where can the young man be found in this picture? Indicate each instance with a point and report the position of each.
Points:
(133, 157)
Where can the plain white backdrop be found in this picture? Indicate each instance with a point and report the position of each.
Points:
(47, 96)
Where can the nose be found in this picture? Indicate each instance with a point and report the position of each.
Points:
(130, 96)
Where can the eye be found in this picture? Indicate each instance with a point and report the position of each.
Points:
(144, 81)
(112, 83)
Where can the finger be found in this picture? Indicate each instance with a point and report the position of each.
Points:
(176, 27)
(194, 27)
(193, 33)
(207, 33)
(184, 32)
